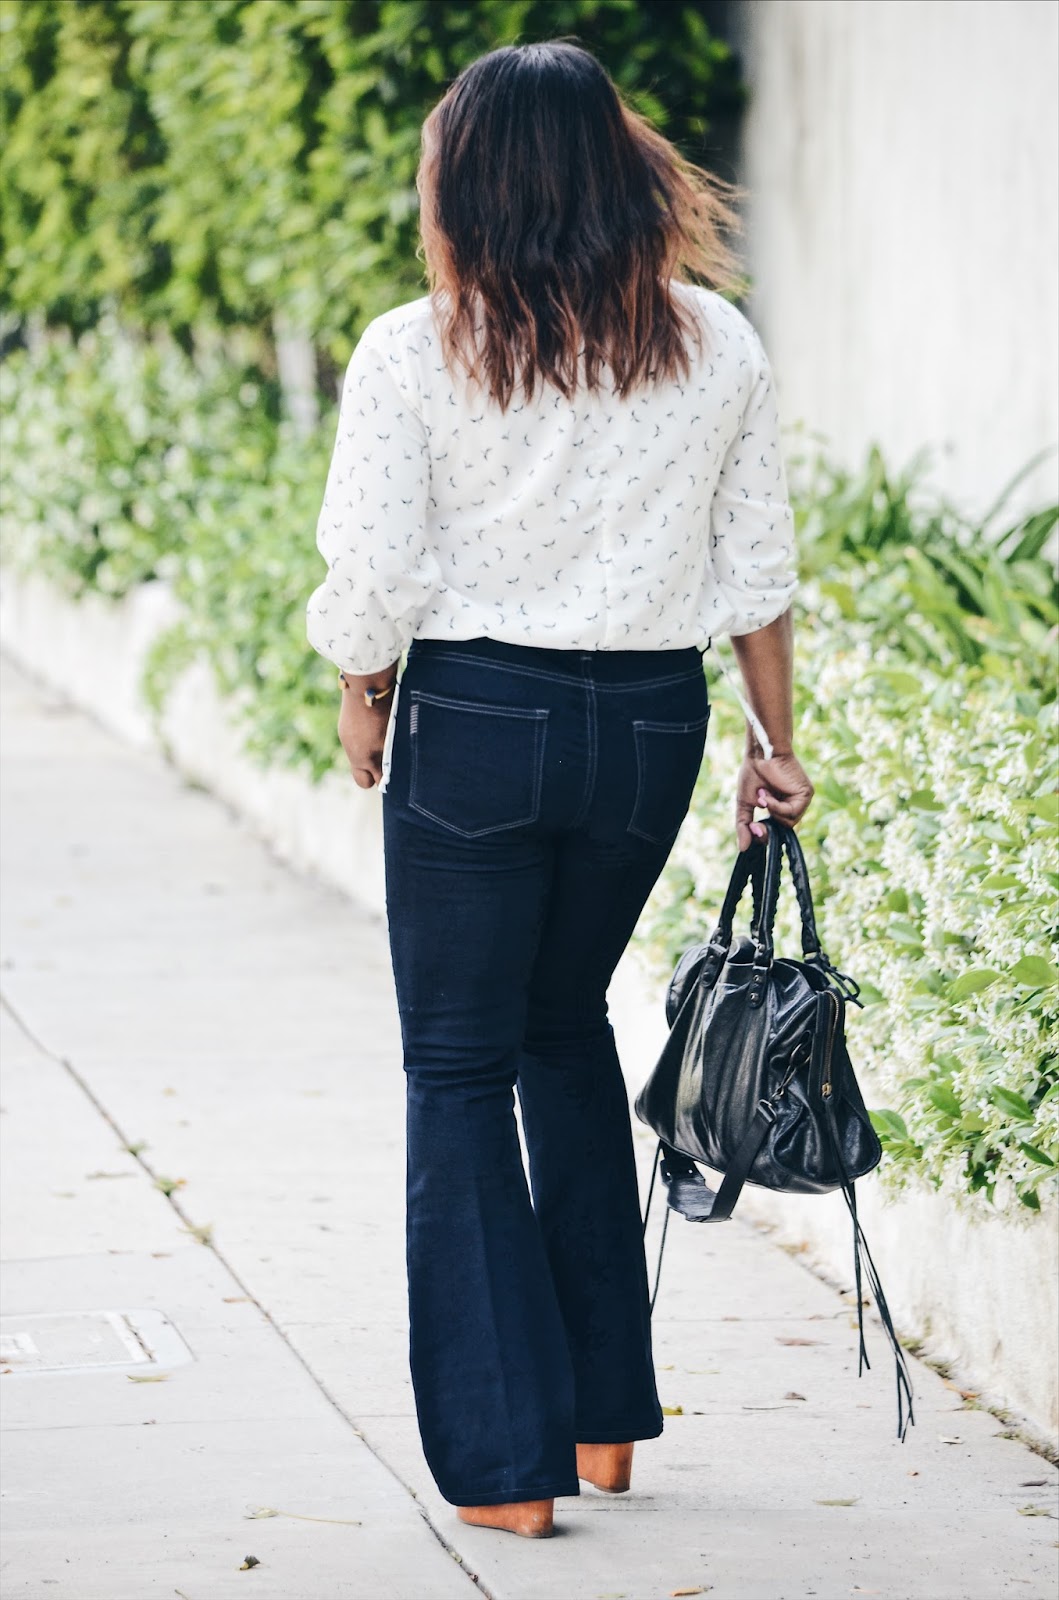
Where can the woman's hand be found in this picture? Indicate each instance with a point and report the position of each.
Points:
(780, 785)
(362, 728)
(362, 731)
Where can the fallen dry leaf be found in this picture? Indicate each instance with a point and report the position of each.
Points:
(255, 1513)
(1035, 1511)
(1034, 1483)
(852, 1502)
(699, 1589)
(950, 1438)
(203, 1233)
(792, 1394)
(147, 1377)
(781, 1340)
(251, 1561)
(672, 1411)
(235, 1299)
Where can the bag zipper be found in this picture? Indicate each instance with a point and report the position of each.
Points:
(826, 1086)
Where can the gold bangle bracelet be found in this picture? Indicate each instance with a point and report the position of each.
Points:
(370, 695)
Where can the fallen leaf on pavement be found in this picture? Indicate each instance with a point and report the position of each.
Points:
(950, 1438)
(701, 1589)
(852, 1502)
(1035, 1511)
(964, 1394)
(235, 1299)
(781, 1340)
(1034, 1483)
(203, 1234)
(792, 1394)
(147, 1377)
(251, 1561)
(672, 1411)
(257, 1512)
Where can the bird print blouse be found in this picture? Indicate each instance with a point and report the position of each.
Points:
(651, 522)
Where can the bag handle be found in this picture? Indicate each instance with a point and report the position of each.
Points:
(762, 862)
(812, 949)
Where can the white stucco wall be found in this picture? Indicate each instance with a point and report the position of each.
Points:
(903, 228)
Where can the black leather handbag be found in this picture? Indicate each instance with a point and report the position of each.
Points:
(755, 1079)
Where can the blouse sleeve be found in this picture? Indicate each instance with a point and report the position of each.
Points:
(752, 544)
(371, 529)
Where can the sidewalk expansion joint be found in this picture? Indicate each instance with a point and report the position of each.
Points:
(205, 1238)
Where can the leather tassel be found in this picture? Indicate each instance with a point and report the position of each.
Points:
(904, 1381)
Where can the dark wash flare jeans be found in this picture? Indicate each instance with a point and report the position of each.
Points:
(534, 797)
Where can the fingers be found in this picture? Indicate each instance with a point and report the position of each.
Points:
(790, 810)
(746, 828)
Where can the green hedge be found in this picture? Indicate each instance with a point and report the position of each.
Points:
(196, 162)
(926, 715)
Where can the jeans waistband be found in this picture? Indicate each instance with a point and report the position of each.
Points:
(602, 666)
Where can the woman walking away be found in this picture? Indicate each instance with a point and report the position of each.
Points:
(556, 477)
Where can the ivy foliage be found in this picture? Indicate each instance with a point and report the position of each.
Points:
(214, 163)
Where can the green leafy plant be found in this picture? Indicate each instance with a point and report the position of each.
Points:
(926, 677)
(226, 161)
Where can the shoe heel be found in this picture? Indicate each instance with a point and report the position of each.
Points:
(532, 1519)
(606, 1466)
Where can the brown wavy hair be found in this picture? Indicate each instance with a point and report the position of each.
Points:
(554, 218)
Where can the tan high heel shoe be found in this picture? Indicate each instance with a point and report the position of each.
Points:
(606, 1466)
(533, 1519)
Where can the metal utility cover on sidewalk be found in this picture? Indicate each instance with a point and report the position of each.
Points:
(89, 1341)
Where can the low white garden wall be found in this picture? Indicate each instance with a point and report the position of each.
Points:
(982, 1295)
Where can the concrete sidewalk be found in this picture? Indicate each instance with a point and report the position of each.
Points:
(199, 1045)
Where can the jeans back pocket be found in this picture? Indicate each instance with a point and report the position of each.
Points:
(668, 758)
(475, 768)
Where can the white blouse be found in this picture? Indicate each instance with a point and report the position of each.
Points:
(596, 523)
